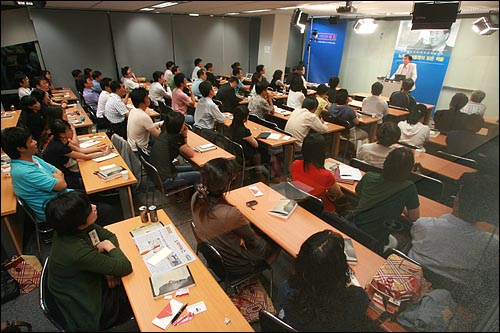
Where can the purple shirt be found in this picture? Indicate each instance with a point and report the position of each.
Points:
(91, 97)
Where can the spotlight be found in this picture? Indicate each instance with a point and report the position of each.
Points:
(485, 26)
(365, 26)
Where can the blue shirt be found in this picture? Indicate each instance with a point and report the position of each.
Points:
(196, 87)
(34, 182)
(96, 86)
(240, 84)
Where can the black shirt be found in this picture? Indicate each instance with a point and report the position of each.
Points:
(163, 152)
(227, 96)
(237, 135)
(402, 100)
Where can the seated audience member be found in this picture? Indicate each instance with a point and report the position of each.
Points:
(88, 275)
(91, 96)
(261, 69)
(261, 103)
(256, 78)
(215, 220)
(87, 71)
(32, 117)
(128, 78)
(62, 153)
(168, 71)
(297, 92)
(412, 130)
(24, 84)
(171, 83)
(33, 179)
(207, 112)
(139, 124)
(468, 144)
(209, 67)
(198, 64)
(157, 92)
(42, 97)
(238, 73)
(332, 90)
(172, 141)
(227, 95)
(303, 120)
(277, 81)
(311, 172)
(48, 77)
(101, 103)
(40, 83)
(301, 71)
(116, 110)
(322, 97)
(475, 105)
(201, 76)
(344, 112)
(180, 100)
(453, 119)
(402, 98)
(96, 81)
(452, 246)
(383, 197)
(319, 295)
(376, 152)
(374, 104)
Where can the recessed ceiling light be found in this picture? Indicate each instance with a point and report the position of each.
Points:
(256, 11)
(147, 9)
(194, 14)
(165, 4)
(232, 13)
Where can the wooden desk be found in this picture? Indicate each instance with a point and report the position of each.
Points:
(371, 125)
(72, 116)
(64, 94)
(399, 114)
(12, 120)
(200, 159)
(442, 166)
(12, 226)
(287, 145)
(145, 307)
(94, 184)
(439, 142)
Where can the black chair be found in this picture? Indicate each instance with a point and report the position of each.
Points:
(43, 231)
(217, 264)
(262, 122)
(409, 145)
(210, 135)
(91, 113)
(458, 159)
(399, 108)
(47, 302)
(309, 202)
(429, 187)
(271, 323)
(364, 166)
(219, 104)
(344, 134)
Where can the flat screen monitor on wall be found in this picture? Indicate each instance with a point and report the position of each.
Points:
(430, 15)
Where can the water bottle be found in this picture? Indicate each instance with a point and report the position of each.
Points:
(78, 105)
(12, 107)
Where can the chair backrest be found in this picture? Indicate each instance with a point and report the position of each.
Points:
(129, 156)
(219, 104)
(428, 187)
(409, 145)
(398, 108)
(271, 323)
(346, 124)
(153, 174)
(364, 166)
(309, 202)
(214, 259)
(262, 122)
(237, 150)
(47, 302)
(210, 135)
(458, 159)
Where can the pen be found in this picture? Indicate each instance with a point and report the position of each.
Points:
(345, 175)
(178, 313)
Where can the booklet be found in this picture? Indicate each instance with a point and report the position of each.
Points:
(350, 254)
(205, 147)
(168, 282)
(283, 208)
(263, 135)
(165, 317)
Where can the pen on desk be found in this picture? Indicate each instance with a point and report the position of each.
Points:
(179, 313)
(345, 175)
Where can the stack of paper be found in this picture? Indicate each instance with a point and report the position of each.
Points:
(348, 172)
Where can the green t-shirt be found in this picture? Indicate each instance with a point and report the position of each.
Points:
(382, 201)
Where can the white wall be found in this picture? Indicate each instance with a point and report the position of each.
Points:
(265, 41)
(17, 27)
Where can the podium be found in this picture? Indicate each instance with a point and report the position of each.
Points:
(390, 86)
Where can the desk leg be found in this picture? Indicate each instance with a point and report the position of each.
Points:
(288, 152)
(427, 117)
(126, 202)
(336, 144)
(372, 133)
(12, 234)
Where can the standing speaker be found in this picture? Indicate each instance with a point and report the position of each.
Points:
(334, 19)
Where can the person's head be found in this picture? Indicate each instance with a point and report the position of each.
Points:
(117, 87)
(458, 101)
(209, 67)
(46, 75)
(158, 77)
(22, 80)
(235, 65)
(97, 75)
(59, 129)
(180, 80)
(140, 97)
(206, 89)
(240, 116)
(105, 84)
(296, 84)
(127, 72)
(407, 84)
(202, 74)
(40, 82)
(176, 69)
(169, 64)
(301, 69)
(75, 73)
(261, 86)
(41, 96)
(256, 77)
(278, 74)
(417, 114)
(313, 150)
(434, 39)
(477, 199)
(477, 96)
(216, 177)
(70, 212)
(310, 103)
(260, 69)
(322, 89)
(17, 141)
(174, 122)
(198, 62)
(334, 82)
(238, 72)
(233, 81)
(85, 81)
(30, 103)
(407, 59)
(55, 112)
(87, 71)
(388, 134)
(377, 88)
(341, 97)
(398, 164)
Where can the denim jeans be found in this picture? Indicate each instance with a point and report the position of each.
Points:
(185, 176)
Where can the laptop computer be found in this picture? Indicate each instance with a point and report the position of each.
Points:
(249, 75)
(399, 77)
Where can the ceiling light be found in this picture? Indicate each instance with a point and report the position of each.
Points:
(365, 26)
(194, 14)
(285, 8)
(256, 11)
(165, 4)
(147, 9)
(484, 26)
(233, 14)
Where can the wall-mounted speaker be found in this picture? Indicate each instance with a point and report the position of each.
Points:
(334, 19)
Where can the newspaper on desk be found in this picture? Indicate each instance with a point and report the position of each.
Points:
(162, 250)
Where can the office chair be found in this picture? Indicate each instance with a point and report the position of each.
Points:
(364, 166)
(219, 104)
(210, 135)
(42, 230)
(345, 135)
(469, 162)
(262, 122)
(428, 187)
(309, 202)
(271, 323)
(48, 303)
(409, 145)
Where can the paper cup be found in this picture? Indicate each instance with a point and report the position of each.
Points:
(124, 174)
(374, 115)
(418, 152)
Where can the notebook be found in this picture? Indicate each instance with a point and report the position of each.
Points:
(283, 208)
(168, 282)
(104, 158)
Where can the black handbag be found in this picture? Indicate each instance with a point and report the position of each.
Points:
(10, 287)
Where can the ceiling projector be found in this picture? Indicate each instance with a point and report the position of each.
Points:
(346, 9)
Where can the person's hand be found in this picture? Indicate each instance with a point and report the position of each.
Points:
(113, 281)
(184, 130)
(105, 246)
(64, 104)
(105, 149)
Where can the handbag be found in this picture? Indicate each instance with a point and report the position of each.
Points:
(26, 270)
(251, 299)
(10, 287)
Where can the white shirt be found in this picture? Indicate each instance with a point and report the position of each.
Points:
(295, 99)
(23, 92)
(301, 122)
(375, 104)
(410, 71)
(101, 103)
(194, 74)
(115, 110)
(130, 83)
(138, 126)
(158, 93)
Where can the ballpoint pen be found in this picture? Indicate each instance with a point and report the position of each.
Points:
(179, 313)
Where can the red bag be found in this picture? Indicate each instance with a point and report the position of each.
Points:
(26, 270)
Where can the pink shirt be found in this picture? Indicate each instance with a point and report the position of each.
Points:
(180, 101)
